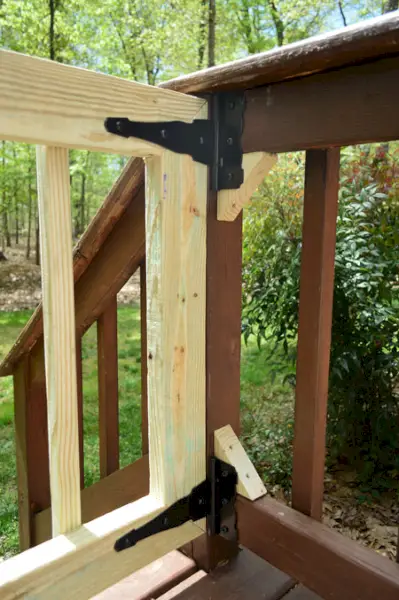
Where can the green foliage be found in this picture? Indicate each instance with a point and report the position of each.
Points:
(363, 402)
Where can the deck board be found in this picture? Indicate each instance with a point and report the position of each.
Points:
(174, 577)
(153, 580)
(246, 577)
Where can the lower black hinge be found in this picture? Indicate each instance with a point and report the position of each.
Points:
(214, 498)
(215, 142)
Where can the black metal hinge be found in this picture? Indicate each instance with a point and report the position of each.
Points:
(215, 142)
(213, 498)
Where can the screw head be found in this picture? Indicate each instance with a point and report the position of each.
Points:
(224, 473)
(224, 501)
(164, 133)
(230, 141)
(224, 529)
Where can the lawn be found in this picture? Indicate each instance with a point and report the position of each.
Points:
(266, 408)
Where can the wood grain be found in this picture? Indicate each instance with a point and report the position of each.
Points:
(330, 564)
(143, 356)
(44, 102)
(84, 562)
(59, 336)
(314, 329)
(229, 449)
(116, 490)
(354, 105)
(176, 261)
(256, 166)
(107, 353)
(153, 580)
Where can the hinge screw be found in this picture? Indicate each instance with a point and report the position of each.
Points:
(224, 501)
(230, 141)
(224, 529)
(224, 473)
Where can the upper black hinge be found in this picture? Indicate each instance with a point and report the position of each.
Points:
(214, 498)
(215, 142)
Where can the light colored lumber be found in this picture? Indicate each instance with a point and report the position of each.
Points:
(229, 449)
(176, 193)
(59, 336)
(83, 563)
(256, 166)
(44, 102)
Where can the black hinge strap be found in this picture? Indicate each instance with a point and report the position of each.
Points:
(215, 142)
(213, 498)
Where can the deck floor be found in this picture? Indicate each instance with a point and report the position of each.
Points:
(175, 577)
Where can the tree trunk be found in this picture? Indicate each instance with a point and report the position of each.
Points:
(211, 32)
(391, 5)
(341, 10)
(202, 35)
(82, 204)
(15, 190)
(6, 231)
(51, 31)
(278, 23)
(29, 213)
(37, 257)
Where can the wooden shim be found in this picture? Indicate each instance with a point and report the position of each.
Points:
(143, 345)
(44, 102)
(114, 491)
(107, 351)
(314, 333)
(332, 565)
(176, 261)
(354, 105)
(229, 449)
(84, 562)
(256, 166)
(59, 336)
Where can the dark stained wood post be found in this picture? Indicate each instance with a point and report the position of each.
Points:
(144, 387)
(107, 348)
(314, 335)
(223, 343)
(31, 444)
(79, 381)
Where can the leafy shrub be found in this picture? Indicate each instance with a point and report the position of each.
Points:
(363, 426)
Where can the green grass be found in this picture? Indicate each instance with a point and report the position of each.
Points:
(266, 409)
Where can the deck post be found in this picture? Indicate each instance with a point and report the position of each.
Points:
(314, 334)
(223, 344)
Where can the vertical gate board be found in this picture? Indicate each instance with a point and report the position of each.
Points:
(176, 259)
(314, 333)
(59, 336)
(107, 351)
